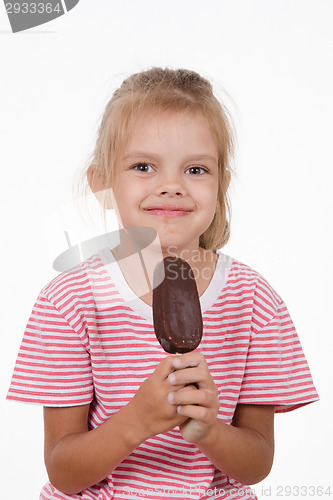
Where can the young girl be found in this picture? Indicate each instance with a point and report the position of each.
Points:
(123, 418)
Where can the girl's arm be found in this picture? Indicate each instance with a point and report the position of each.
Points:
(244, 450)
(77, 458)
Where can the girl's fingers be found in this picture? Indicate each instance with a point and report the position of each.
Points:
(198, 413)
(192, 397)
(188, 360)
(164, 368)
(197, 375)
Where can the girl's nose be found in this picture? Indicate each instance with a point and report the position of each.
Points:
(171, 186)
(171, 191)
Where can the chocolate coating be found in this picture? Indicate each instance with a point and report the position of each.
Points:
(176, 307)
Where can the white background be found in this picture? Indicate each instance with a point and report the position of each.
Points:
(274, 58)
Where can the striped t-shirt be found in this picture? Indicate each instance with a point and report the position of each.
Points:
(90, 339)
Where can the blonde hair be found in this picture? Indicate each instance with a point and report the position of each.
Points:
(160, 89)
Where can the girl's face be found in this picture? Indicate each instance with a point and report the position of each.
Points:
(167, 178)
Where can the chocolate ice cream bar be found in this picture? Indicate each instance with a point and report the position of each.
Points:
(176, 307)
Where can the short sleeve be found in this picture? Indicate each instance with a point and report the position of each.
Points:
(277, 372)
(53, 365)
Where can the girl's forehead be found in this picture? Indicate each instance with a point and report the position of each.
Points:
(181, 129)
(155, 120)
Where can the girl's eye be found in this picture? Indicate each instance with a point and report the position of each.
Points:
(143, 167)
(196, 170)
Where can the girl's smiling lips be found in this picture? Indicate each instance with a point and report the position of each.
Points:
(168, 211)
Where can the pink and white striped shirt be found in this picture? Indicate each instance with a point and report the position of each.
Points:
(91, 340)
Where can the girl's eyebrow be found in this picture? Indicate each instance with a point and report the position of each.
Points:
(203, 157)
(190, 158)
(139, 154)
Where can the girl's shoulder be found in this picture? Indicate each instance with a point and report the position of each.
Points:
(78, 283)
(243, 280)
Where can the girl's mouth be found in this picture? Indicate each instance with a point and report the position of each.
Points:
(168, 211)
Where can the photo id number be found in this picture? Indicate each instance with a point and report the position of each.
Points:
(33, 8)
(303, 491)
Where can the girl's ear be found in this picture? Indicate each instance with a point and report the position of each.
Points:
(97, 185)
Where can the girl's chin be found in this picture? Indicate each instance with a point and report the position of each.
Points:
(173, 246)
(168, 239)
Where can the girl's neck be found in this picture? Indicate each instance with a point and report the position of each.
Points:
(138, 267)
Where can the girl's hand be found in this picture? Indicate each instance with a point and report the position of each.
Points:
(199, 406)
(150, 408)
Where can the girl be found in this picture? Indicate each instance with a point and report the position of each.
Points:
(122, 418)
